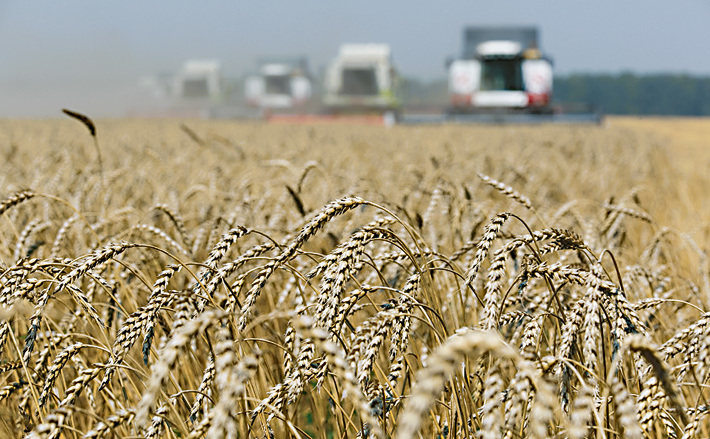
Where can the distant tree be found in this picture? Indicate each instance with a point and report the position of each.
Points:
(628, 93)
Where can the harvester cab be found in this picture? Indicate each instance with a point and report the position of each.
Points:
(501, 69)
(361, 79)
(279, 84)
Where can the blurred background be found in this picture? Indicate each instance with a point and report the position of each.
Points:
(116, 59)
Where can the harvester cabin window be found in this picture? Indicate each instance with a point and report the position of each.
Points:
(195, 88)
(359, 82)
(278, 85)
(501, 74)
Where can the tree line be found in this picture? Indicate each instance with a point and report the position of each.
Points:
(627, 93)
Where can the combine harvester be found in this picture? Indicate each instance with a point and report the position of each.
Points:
(361, 80)
(358, 87)
(503, 77)
(192, 92)
(280, 85)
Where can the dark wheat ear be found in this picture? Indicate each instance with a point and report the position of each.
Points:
(296, 200)
(192, 135)
(89, 124)
(83, 119)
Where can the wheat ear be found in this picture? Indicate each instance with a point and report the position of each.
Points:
(430, 380)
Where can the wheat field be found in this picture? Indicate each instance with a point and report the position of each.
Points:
(189, 279)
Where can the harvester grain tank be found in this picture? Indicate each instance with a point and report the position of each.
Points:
(361, 79)
(501, 69)
(280, 84)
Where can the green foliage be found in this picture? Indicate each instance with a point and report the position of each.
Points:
(627, 93)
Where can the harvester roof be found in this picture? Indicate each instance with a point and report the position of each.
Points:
(365, 52)
(524, 36)
(200, 67)
(498, 49)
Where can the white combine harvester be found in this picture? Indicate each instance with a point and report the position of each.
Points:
(193, 91)
(198, 80)
(501, 69)
(279, 84)
(361, 80)
(503, 77)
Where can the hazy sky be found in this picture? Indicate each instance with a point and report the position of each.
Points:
(91, 55)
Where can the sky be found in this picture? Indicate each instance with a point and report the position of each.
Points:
(94, 55)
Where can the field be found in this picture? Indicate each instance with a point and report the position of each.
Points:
(189, 279)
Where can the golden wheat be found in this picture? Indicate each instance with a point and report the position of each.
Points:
(270, 303)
